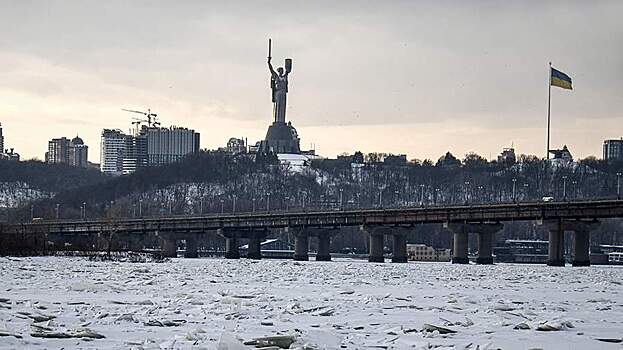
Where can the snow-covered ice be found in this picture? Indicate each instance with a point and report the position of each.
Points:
(73, 303)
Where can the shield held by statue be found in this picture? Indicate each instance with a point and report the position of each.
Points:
(288, 65)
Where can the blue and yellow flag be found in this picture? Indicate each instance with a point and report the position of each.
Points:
(560, 79)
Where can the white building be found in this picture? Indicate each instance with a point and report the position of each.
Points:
(112, 151)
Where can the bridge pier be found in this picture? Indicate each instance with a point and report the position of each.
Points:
(486, 233)
(254, 251)
(231, 247)
(556, 249)
(169, 247)
(301, 246)
(399, 248)
(376, 244)
(324, 245)
(460, 244)
(191, 248)
(581, 241)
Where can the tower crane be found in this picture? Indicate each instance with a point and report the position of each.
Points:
(150, 116)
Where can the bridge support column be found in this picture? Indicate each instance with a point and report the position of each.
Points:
(581, 241)
(376, 245)
(169, 247)
(459, 244)
(486, 233)
(399, 248)
(231, 247)
(324, 244)
(556, 250)
(254, 251)
(191, 248)
(301, 246)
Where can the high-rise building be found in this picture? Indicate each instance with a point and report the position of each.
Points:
(64, 151)
(112, 151)
(78, 153)
(613, 149)
(151, 146)
(168, 145)
(58, 151)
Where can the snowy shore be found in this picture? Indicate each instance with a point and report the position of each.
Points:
(73, 303)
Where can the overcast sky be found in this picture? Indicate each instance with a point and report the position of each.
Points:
(414, 77)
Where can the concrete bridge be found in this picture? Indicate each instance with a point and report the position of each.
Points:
(484, 220)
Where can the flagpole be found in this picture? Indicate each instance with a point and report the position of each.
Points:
(549, 102)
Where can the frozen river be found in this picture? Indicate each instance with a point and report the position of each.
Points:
(217, 304)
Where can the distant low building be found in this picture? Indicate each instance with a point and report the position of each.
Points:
(507, 156)
(613, 150)
(6, 154)
(422, 252)
(400, 159)
(562, 153)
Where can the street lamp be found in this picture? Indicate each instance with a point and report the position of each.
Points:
(140, 208)
(233, 205)
(253, 201)
(514, 185)
(58, 206)
(436, 195)
(84, 210)
(525, 191)
(396, 198)
(268, 201)
(222, 206)
(564, 187)
(380, 198)
(287, 203)
(466, 195)
(32, 212)
(618, 185)
(341, 199)
(421, 195)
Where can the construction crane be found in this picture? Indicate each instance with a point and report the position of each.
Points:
(150, 116)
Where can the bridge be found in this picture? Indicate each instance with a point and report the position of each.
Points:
(484, 220)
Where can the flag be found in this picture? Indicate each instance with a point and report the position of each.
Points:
(560, 79)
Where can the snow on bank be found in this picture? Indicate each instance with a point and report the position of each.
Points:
(216, 304)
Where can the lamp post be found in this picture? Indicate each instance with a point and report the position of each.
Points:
(84, 210)
(32, 212)
(421, 195)
(564, 187)
(396, 198)
(514, 185)
(575, 189)
(618, 185)
(201, 206)
(287, 203)
(466, 195)
(525, 191)
(222, 206)
(140, 208)
(58, 207)
(233, 205)
(268, 201)
(253, 205)
(341, 199)
(436, 195)
(380, 198)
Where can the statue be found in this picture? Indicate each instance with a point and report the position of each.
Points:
(279, 86)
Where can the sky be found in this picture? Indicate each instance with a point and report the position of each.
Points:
(404, 77)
